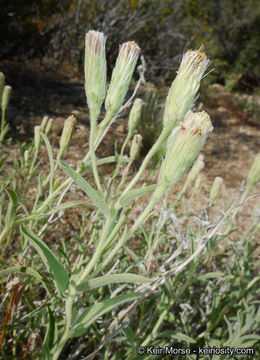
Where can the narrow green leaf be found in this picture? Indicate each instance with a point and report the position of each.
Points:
(93, 312)
(211, 275)
(176, 335)
(130, 252)
(107, 160)
(10, 215)
(135, 194)
(60, 275)
(12, 195)
(249, 337)
(130, 335)
(51, 335)
(87, 188)
(45, 353)
(12, 207)
(112, 279)
(68, 205)
(54, 210)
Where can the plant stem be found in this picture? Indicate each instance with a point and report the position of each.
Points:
(243, 198)
(33, 163)
(2, 125)
(118, 164)
(142, 218)
(92, 151)
(98, 251)
(151, 153)
(69, 301)
(124, 176)
(68, 318)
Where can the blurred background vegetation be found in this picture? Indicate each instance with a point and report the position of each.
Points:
(54, 32)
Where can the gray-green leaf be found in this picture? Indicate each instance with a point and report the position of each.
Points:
(87, 188)
(93, 312)
(112, 279)
(60, 275)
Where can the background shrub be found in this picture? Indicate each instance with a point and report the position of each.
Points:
(54, 30)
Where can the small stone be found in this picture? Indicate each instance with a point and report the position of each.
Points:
(120, 129)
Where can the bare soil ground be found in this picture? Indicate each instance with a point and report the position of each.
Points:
(229, 152)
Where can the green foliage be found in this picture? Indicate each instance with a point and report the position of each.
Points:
(231, 32)
(24, 23)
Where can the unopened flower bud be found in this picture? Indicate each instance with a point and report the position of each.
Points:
(198, 182)
(26, 156)
(218, 181)
(6, 96)
(95, 71)
(135, 147)
(69, 125)
(184, 89)
(135, 115)
(37, 137)
(196, 168)
(185, 144)
(48, 127)
(194, 172)
(2, 85)
(253, 176)
(121, 76)
(44, 123)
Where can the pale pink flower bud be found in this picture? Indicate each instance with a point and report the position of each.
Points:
(95, 71)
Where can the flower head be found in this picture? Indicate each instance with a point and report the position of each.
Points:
(95, 71)
(121, 76)
(184, 89)
(185, 144)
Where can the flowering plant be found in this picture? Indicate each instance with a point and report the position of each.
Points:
(78, 279)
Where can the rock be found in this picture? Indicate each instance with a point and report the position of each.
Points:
(57, 126)
(81, 135)
(121, 129)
